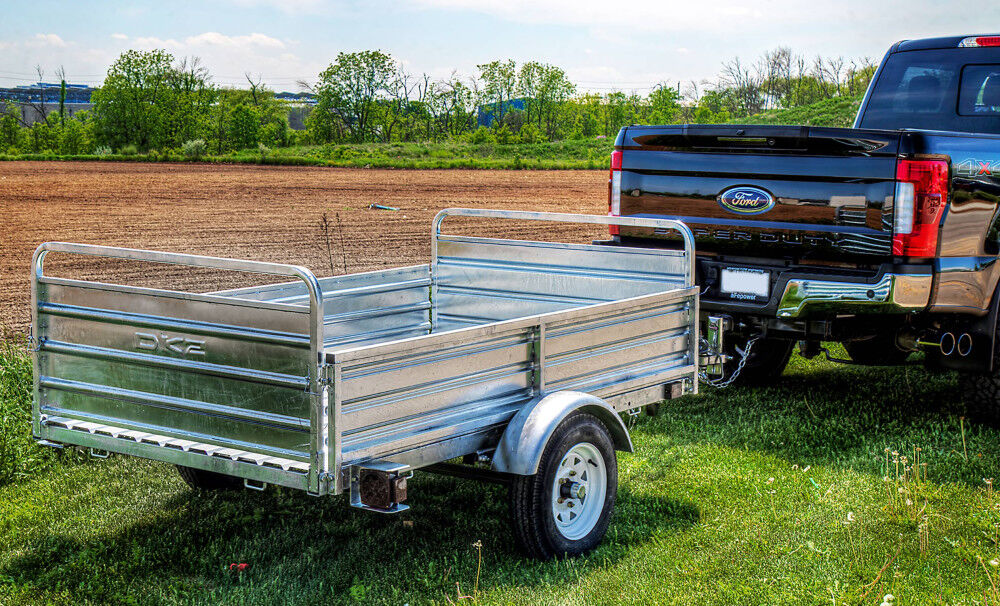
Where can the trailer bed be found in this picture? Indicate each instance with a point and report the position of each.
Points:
(301, 382)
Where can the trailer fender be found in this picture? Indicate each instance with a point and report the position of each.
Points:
(524, 439)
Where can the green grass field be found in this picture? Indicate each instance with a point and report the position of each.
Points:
(838, 111)
(573, 154)
(777, 495)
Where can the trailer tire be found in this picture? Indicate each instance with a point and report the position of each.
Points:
(201, 479)
(546, 523)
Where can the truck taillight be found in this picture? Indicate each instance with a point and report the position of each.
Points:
(615, 190)
(921, 195)
(978, 41)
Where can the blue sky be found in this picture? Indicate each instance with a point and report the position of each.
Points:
(601, 44)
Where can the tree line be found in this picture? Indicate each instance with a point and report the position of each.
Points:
(150, 100)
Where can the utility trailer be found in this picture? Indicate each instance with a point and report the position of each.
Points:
(518, 356)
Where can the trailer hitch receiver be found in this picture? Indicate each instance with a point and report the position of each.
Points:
(380, 489)
(379, 486)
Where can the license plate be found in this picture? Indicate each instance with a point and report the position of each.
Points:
(745, 283)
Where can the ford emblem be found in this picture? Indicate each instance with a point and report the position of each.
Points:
(746, 200)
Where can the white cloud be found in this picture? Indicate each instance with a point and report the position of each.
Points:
(119, 37)
(656, 15)
(228, 57)
(217, 39)
(40, 40)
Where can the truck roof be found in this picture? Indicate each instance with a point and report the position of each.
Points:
(933, 43)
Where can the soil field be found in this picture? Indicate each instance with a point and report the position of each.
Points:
(255, 212)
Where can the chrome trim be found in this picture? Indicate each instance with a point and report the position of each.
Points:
(893, 293)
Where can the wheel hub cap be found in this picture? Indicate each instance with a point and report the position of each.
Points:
(579, 490)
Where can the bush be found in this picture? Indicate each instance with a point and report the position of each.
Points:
(194, 149)
(482, 135)
(264, 151)
(129, 150)
(19, 455)
(102, 150)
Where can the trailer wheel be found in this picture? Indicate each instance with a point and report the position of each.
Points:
(565, 508)
(208, 480)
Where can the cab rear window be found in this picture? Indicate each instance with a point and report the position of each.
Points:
(980, 91)
(941, 89)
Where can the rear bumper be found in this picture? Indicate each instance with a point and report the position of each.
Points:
(892, 293)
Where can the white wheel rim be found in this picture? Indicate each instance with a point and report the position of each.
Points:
(578, 491)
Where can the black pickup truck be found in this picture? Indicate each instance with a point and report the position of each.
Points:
(884, 236)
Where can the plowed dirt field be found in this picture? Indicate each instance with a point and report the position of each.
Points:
(256, 212)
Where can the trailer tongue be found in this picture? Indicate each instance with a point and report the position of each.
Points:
(518, 353)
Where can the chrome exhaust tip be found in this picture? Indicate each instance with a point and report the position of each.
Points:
(947, 343)
(964, 344)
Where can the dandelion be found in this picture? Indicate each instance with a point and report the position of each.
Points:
(770, 481)
(850, 517)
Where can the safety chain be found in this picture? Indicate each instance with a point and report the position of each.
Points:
(744, 356)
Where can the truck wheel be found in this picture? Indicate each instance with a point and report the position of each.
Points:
(982, 396)
(208, 480)
(767, 361)
(880, 350)
(565, 508)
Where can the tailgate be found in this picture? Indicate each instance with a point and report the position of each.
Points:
(201, 380)
(802, 192)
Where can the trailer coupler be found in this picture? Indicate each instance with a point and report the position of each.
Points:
(379, 486)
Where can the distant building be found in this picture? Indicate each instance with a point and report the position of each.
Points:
(30, 98)
(487, 114)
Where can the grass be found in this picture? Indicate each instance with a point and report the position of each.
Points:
(19, 456)
(570, 155)
(582, 154)
(779, 495)
(838, 111)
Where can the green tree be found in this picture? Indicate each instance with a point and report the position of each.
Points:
(664, 105)
(187, 103)
(10, 127)
(244, 127)
(499, 86)
(75, 136)
(127, 106)
(351, 87)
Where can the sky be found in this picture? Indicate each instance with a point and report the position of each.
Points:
(602, 45)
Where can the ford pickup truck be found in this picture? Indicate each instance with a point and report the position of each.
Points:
(884, 236)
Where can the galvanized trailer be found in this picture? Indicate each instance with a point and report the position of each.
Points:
(519, 354)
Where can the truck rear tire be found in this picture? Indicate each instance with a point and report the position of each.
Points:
(880, 350)
(767, 361)
(564, 509)
(208, 480)
(982, 397)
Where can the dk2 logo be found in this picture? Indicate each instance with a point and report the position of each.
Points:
(166, 343)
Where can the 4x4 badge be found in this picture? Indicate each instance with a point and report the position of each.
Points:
(746, 200)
